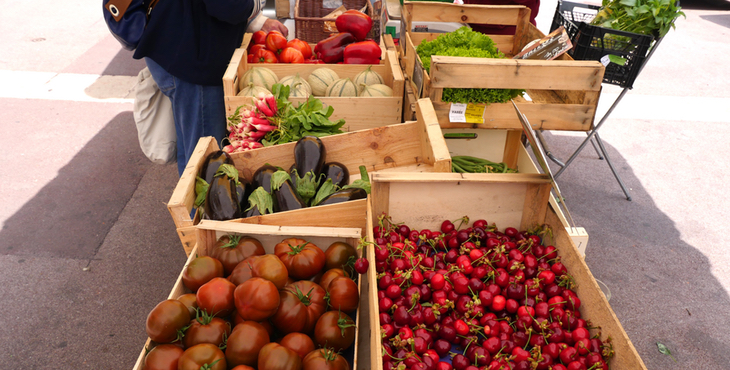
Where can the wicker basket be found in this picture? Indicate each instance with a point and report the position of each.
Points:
(309, 22)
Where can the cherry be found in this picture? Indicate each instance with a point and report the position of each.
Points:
(460, 362)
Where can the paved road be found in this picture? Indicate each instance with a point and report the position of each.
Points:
(87, 246)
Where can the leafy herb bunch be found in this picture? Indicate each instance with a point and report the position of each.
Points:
(465, 42)
(646, 17)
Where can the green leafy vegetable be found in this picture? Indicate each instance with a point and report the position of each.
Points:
(261, 199)
(327, 188)
(363, 182)
(464, 42)
(306, 185)
(201, 190)
(646, 17)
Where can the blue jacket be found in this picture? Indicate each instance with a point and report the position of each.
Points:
(194, 39)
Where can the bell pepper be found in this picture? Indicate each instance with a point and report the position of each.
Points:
(355, 22)
(332, 49)
(363, 52)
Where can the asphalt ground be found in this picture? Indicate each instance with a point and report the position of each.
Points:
(88, 248)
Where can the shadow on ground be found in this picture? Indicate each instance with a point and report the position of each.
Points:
(705, 4)
(70, 217)
(662, 288)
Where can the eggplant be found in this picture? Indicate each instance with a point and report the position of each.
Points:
(293, 175)
(309, 155)
(211, 164)
(252, 212)
(243, 191)
(262, 177)
(344, 195)
(337, 172)
(222, 199)
(286, 197)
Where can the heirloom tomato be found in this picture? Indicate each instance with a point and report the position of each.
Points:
(265, 56)
(336, 330)
(206, 328)
(300, 343)
(302, 303)
(274, 356)
(190, 302)
(165, 323)
(275, 41)
(256, 299)
(324, 359)
(232, 249)
(242, 272)
(244, 344)
(271, 268)
(302, 46)
(291, 55)
(200, 271)
(343, 294)
(339, 255)
(259, 37)
(202, 356)
(216, 297)
(302, 259)
(164, 357)
(330, 275)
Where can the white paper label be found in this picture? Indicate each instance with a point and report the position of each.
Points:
(457, 113)
(605, 60)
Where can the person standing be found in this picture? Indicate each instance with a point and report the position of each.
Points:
(187, 46)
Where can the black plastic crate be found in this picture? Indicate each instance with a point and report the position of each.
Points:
(593, 42)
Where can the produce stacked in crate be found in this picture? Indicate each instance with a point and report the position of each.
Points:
(271, 298)
(464, 273)
(561, 94)
(411, 146)
(361, 106)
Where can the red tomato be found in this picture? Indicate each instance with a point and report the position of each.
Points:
(242, 272)
(302, 259)
(255, 48)
(216, 297)
(249, 58)
(339, 255)
(206, 328)
(259, 37)
(164, 357)
(232, 249)
(300, 343)
(190, 302)
(202, 356)
(245, 342)
(274, 356)
(302, 46)
(324, 359)
(256, 299)
(344, 295)
(330, 275)
(291, 55)
(166, 321)
(271, 268)
(335, 329)
(200, 270)
(302, 303)
(265, 56)
(275, 41)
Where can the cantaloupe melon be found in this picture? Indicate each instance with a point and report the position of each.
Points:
(342, 87)
(253, 90)
(259, 76)
(368, 77)
(375, 90)
(298, 87)
(320, 79)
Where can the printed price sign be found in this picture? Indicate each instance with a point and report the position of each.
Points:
(466, 113)
(547, 48)
(418, 76)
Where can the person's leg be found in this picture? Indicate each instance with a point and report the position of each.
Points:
(198, 111)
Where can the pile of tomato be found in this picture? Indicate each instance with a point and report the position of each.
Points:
(273, 47)
(477, 298)
(290, 310)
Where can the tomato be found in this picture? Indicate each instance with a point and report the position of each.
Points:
(249, 58)
(200, 270)
(335, 329)
(243, 367)
(324, 359)
(302, 46)
(302, 259)
(265, 56)
(302, 303)
(291, 55)
(271, 268)
(339, 255)
(256, 299)
(236, 318)
(274, 356)
(254, 48)
(244, 344)
(232, 249)
(216, 297)
(202, 356)
(164, 357)
(259, 37)
(206, 328)
(330, 275)
(300, 343)
(190, 302)
(275, 41)
(343, 294)
(242, 272)
(269, 328)
(166, 321)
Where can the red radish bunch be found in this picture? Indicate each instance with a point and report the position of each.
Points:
(477, 298)
(246, 132)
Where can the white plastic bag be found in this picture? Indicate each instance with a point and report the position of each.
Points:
(155, 122)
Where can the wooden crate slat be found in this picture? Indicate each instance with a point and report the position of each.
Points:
(573, 117)
(507, 15)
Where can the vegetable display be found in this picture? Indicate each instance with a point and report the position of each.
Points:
(647, 17)
(477, 297)
(464, 42)
(279, 318)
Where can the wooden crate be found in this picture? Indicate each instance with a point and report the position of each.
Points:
(506, 146)
(269, 236)
(563, 93)
(411, 146)
(359, 112)
(509, 200)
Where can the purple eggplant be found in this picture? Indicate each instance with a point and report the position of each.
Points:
(337, 172)
(222, 199)
(211, 164)
(344, 195)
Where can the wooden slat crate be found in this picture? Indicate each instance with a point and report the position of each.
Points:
(563, 93)
(269, 235)
(411, 146)
(521, 201)
(358, 112)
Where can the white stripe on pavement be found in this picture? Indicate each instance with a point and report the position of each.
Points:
(67, 86)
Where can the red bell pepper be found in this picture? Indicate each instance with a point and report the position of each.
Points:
(332, 49)
(364, 52)
(355, 22)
